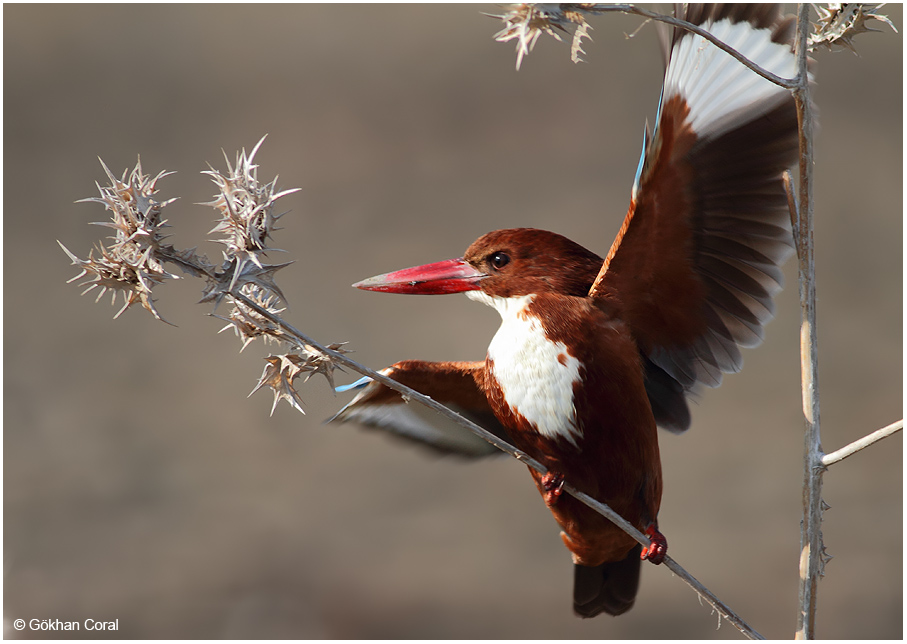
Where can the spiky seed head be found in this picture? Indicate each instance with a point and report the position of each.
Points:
(840, 22)
(526, 22)
(281, 371)
(131, 264)
(279, 374)
(248, 323)
(246, 209)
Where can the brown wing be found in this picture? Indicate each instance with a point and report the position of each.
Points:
(458, 385)
(697, 260)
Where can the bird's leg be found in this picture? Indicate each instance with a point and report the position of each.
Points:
(553, 485)
(655, 551)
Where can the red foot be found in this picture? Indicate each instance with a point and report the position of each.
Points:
(656, 551)
(554, 485)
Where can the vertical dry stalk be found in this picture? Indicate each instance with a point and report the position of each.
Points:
(811, 548)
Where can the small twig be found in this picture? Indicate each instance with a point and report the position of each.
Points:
(601, 508)
(866, 441)
(792, 207)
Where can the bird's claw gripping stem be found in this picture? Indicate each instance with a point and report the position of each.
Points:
(554, 486)
(657, 549)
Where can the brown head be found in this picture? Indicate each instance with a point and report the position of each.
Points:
(502, 263)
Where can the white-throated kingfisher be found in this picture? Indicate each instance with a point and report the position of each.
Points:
(593, 354)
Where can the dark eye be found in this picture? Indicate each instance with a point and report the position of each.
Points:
(499, 260)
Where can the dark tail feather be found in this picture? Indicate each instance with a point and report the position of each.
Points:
(610, 587)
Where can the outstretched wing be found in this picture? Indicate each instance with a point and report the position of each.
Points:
(458, 385)
(698, 258)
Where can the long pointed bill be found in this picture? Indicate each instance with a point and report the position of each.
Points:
(440, 278)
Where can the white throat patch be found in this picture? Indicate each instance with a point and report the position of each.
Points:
(536, 374)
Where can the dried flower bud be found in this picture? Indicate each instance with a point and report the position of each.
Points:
(248, 323)
(322, 363)
(279, 374)
(132, 263)
(839, 22)
(526, 22)
(282, 370)
(246, 210)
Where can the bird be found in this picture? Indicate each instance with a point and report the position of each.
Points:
(595, 353)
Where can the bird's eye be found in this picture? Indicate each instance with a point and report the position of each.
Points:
(499, 260)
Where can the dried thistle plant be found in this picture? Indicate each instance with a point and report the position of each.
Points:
(282, 370)
(839, 22)
(133, 263)
(247, 323)
(526, 22)
(247, 217)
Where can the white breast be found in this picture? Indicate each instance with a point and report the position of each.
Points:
(536, 374)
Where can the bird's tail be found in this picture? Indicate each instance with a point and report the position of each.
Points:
(608, 588)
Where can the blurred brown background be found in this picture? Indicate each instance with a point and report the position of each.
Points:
(142, 485)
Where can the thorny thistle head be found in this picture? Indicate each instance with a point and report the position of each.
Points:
(247, 219)
(131, 264)
(839, 22)
(246, 209)
(526, 22)
(282, 370)
(249, 324)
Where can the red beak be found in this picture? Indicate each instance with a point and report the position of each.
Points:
(440, 278)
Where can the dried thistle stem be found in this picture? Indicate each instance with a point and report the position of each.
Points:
(811, 547)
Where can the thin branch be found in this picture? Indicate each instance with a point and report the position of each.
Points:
(863, 443)
(811, 547)
(603, 509)
(786, 83)
(722, 608)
